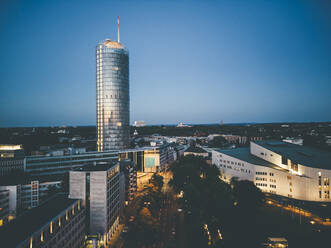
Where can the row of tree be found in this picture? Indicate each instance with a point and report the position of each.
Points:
(142, 216)
(217, 214)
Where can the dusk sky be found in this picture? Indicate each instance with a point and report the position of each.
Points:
(190, 61)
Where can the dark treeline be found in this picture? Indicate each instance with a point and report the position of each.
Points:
(235, 214)
(226, 211)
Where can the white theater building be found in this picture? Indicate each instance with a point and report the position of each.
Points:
(279, 168)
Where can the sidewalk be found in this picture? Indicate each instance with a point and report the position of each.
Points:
(114, 241)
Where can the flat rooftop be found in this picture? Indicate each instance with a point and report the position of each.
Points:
(244, 154)
(29, 222)
(100, 166)
(16, 179)
(303, 155)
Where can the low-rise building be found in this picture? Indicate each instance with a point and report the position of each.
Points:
(296, 141)
(279, 168)
(59, 222)
(11, 159)
(196, 151)
(27, 192)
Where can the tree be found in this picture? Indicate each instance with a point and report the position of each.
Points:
(157, 181)
(218, 141)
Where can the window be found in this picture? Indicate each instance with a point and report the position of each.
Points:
(284, 160)
(294, 166)
(326, 181)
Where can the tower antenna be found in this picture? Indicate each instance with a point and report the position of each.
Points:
(118, 29)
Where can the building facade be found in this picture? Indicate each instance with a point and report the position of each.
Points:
(99, 188)
(11, 159)
(61, 165)
(4, 207)
(25, 194)
(279, 168)
(129, 170)
(60, 222)
(113, 99)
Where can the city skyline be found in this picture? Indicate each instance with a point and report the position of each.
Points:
(190, 62)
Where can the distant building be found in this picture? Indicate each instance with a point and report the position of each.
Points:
(11, 159)
(113, 99)
(296, 141)
(328, 140)
(279, 168)
(180, 124)
(240, 140)
(99, 187)
(196, 151)
(60, 222)
(139, 124)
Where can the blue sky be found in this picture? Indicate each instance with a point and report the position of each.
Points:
(190, 61)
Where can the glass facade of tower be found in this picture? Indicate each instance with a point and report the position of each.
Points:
(113, 99)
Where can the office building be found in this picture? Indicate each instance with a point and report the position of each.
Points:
(4, 207)
(11, 159)
(113, 100)
(61, 165)
(129, 170)
(99, 187)
(279, 168)
(59, 222)
(28, 192)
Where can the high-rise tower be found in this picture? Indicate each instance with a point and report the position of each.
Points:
(113, 99)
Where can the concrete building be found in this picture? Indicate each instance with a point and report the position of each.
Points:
(11, 159)
(61, 165)
(4, 207)
(196, 151)
(27, 192)
(113, 99)
(60, 222)
(279, 168)
(296, 141)
(99, 187)
(130, 179)
(158, 158)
